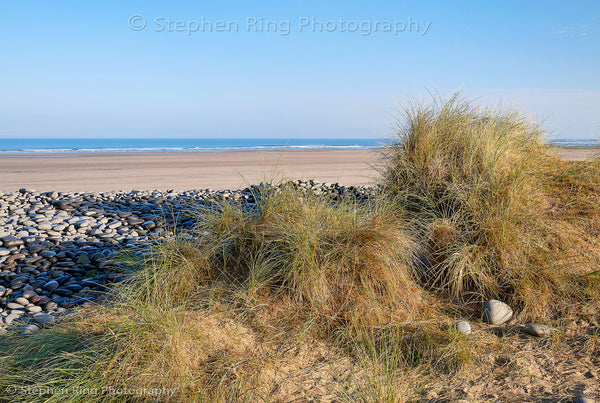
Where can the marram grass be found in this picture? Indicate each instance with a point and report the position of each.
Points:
(472, 183)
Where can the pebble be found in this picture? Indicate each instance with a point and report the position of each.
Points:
(29, 329)
(51, 285)
(22, 301)
(537, 330)
(463, 327)
(496, 312)
(43, 319)
(10, 318)
(83, 259)
(44, 226)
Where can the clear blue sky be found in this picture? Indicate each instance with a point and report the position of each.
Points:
(86, 69)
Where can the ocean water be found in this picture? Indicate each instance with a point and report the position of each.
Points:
(82, 145)
(575, 142)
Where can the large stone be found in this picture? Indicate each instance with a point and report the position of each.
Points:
(28, 294)
(19, 280)
(10, 241)
(496, 312)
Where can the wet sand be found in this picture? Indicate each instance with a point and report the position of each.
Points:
(201, 170)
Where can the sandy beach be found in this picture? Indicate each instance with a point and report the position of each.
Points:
(173, 170)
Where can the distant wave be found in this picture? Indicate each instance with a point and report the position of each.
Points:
(50, 146)
(187, 149)
(575, 142)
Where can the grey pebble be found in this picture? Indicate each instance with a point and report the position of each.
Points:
(43, 319)
(28, 329)
(463, 327)
(537, 330)
(496, 312)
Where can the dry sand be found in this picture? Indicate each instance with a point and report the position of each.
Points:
(181, 171)
(217, 170)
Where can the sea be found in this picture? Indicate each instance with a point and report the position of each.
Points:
(107, 145)
(97, 145)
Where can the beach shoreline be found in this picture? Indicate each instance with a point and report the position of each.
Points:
(98, 172)
(178, 170)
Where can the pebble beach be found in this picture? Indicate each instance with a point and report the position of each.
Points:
(56, 248)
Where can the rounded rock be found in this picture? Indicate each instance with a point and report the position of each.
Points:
(22, 301)
(29, 329)
(149, 225)
(10, 318)
(28, 294)
(33, 309)
(496, 312)
(43, 319)
(462, 327)
(14, 305)
(537, 330)
(47, 254)
(50, 285)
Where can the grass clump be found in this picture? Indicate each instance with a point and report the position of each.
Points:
(473, 184)
(337, 263)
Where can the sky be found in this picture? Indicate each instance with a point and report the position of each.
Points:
(289, 68)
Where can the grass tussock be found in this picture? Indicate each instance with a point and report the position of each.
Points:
(339, 264)
(473, 183)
